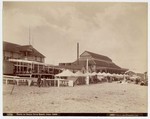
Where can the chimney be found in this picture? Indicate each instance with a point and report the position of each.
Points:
(78, 53)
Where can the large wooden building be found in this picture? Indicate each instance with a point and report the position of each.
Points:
(96, 63)
(23, 60)
(26, 52)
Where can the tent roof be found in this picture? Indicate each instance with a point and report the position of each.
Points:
(108, 74)
(65, 73)
(94, 73)
(79, 73)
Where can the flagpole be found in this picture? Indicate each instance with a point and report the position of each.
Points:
(29, 36)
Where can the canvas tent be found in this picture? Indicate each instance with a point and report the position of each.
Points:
(108, 74)
(94, 73)
(134, 77)
(65, 73)
(79, 73)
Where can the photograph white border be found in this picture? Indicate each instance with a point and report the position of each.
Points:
(1, 47)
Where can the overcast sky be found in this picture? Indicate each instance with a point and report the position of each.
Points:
(116, 30)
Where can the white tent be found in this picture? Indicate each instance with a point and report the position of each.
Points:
(99, 74)
(134, 77)
(108, 74)
(126, 75)
(104, 74)
(121, 76)
(117, 75)
(114, 74)
(87, 74)
(79, 73)
(65, 73)
(94, 73)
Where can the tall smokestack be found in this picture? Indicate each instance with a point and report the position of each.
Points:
(78, 53)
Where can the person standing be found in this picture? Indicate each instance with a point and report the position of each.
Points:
(39, 81)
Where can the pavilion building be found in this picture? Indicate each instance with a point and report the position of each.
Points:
(96, 63)
(23, 60)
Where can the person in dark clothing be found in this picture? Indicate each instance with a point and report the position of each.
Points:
(39, 81)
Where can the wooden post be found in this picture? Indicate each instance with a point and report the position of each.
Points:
(22, 67)
(17, 67)
(38, 68)
(17, 82)
(31, 68)
(43, 68)
(53, 71)
(54, 82)
(87, 77)
(6, 81)
(58, 82)
(12, 89)
(87, 66)
(48, 69)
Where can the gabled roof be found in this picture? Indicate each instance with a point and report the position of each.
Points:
(97, 63)
(11, 47)
(7, 46)
(32, 50)
(97, 56)
(35, 52)
(106, 64)
(26, 48)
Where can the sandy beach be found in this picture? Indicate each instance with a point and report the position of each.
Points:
(94, 98)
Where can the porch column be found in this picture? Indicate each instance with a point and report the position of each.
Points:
(31, 68)
(23, 67)
(58, 82)
(38, 68)
(16, 67)
(19, 66)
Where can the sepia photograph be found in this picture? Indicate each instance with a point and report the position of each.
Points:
(75, 58)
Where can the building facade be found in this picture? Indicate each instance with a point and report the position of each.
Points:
(25, 52)
(96, 63)
(19, 59)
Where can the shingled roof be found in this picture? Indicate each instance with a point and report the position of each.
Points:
(106, 64)
(98, 63)
(11, 47)
(74, 67)
(97, 56)
(32, 50)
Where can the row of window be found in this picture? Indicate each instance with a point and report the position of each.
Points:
(11, 57)
(7, 55)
